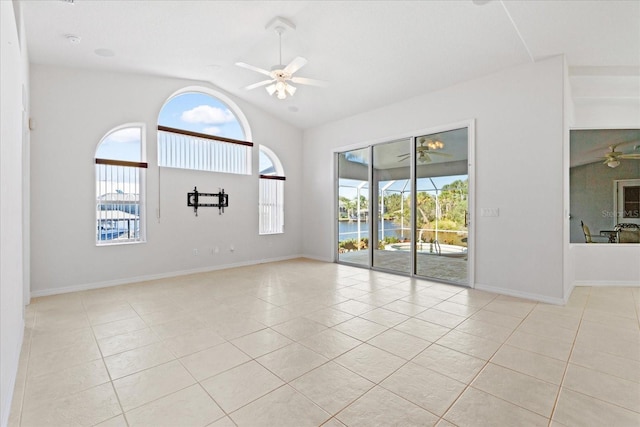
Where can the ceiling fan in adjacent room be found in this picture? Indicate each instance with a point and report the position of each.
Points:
(426, 148)
(281, 76)
(612, 158)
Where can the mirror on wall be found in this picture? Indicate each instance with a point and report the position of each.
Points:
(604, 186)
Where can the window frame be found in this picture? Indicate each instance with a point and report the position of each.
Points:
(276, 181)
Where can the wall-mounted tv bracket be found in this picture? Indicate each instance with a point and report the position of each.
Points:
(193, 199)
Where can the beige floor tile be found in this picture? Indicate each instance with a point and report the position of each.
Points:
(457, 309)
(512, 306)
(198, 340)
(469, 344)
(55, 341)
(441, 318)
(576, 409)
(63, 358)
(298, 329)
(354, 307)
(127, 341)
(191, 406)
(498, 319)
(360, 329)
(222, 422)
(451, 363)
(539, 366)
(385, 317)
(423, 300)
(243, 384)
(486, 330)
(520, 389)
(178, 327)
(380, 407)
(282, 407)
(610, 344)
(476, 408)
(212, 361)
(425, 330)
(121, 312)
(273, 316)
(370, 362)
(132, 361)
(546, 346)
(333, 422)
(597, 330)
(236, 327)
(141, 388)
(398, 343)
(87, 408)
(60, 384)
(615, 390)
(118, 327)
(329, 317)
(424, 387)
(118, 421)
(405, 307)
(546, 330)
(330, 343)
(611, 319)
(608, 363)
(261, 342)
(331, 386)
(292, 361)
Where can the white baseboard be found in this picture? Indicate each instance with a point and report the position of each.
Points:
(608, 283)
(13, 375)
(318, 258)
(520, 294)
(129, 280)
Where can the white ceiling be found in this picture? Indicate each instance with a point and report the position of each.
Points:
(373, 53)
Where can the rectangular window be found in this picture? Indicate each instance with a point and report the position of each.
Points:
(197, 151)
(271, 204)
(119, 204)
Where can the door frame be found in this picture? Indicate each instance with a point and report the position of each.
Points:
(470, 124)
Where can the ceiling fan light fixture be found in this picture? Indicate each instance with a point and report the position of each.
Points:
(271, 89)
(435, 145)
(613, 163)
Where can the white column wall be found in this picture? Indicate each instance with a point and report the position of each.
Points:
(74, 108)
(13, 107)
(519, 169)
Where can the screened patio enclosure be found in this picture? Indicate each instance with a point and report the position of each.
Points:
(390, 229)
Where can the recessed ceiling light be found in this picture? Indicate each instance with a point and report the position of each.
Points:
(104, 52)
(480, 2)
(68, 1)
(73, 39)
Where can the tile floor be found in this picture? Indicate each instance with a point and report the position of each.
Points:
(305, 343)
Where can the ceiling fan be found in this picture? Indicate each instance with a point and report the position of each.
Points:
(424, 152)
(612, 158)
(280, 76)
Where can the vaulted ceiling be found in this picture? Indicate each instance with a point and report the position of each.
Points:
(372, 53)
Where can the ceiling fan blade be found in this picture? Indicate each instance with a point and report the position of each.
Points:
(310, 82)
(254, 68)
(295, 65)
(259, 84)
(629, 156)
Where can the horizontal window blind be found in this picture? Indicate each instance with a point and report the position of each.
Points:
(271, 205)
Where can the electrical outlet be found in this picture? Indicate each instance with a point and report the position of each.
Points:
(195, 252)
(232, 248)
(490, 212)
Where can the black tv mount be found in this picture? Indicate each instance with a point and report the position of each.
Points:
(193, 200)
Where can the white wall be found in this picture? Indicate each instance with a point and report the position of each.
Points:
(519, 169)
(12, 76)
(74, 108)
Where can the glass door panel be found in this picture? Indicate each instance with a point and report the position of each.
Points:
(353, 207)
(442, 206)
(391, 208)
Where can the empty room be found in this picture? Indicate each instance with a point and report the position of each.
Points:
(306, 213)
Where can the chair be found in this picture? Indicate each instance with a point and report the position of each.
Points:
(587, 234)
(628, 233)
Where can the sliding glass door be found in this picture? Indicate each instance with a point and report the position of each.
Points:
(392, 212)
(442, 206)
(403, 206)
(353, 207)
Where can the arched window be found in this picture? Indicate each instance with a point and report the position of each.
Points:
(201, 132)
(271, 197)
(120, 166)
